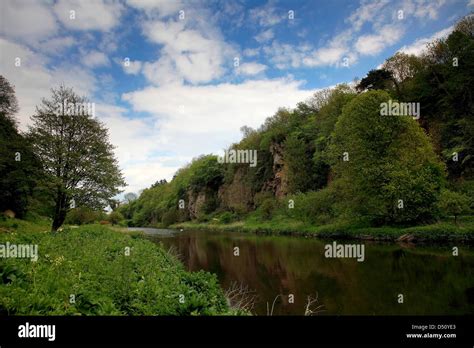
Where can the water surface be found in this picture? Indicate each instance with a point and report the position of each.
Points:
(431, 280)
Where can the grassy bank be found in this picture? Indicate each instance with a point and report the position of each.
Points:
(88, 271)
(440, 231)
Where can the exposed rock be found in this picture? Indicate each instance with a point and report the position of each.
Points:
(237, 195)
(195, 203)
(279, 183)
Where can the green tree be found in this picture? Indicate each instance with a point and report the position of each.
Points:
(75, 153)
(376, 79)
(385, 164)
(444, 90)
(453, 204)
(19, 168)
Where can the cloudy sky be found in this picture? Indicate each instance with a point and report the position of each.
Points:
(173, 79)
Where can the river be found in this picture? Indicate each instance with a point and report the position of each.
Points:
(283, 271)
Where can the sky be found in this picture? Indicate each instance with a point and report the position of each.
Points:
(174, 79)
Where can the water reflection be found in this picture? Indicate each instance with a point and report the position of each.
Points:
(432, 281)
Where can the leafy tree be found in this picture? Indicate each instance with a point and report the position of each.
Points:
(443, 87)
(298, 157)
(402, 67)
(376, 79)
(453, 204)
(386, 166)
(19, 168)
(75, 153)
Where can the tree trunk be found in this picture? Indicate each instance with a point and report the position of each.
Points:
(60, 211)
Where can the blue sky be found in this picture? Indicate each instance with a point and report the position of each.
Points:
(174, 79)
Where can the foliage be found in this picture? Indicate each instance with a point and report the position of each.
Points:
(453, 203)
(90, 262)
(75, 153)
(392, 174)
(115, 217)
(83, 215)
(20, 170)
(376, 79)
(170, 217)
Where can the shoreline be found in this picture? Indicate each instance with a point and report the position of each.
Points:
(440, 232)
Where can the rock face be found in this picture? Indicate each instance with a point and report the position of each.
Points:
(237, 195)
(196, 202)
(279, 183)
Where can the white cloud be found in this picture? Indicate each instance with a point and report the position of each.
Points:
(265, 36)
(89, 15)
(426, 9)
(367, 12)
(33, 80)
(325, 56)
(27, 20)
(162, 8)
(373, 44)
(193, 51)
(252, 68)
(94, 59)
(267, 15)
(252, 52)
(133, 68)
(203, 119)
(284, 55)
(419, 46)
(56, 45)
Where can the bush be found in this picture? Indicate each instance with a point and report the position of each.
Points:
(170, 217)
(82, 216)
(313, 207)
(227, 217)
(267, 208)
(147, 282)
(453, 204)
(115, 217)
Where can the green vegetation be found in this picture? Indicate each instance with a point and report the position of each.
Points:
(91, 263)
(76, 156)
(335, 164)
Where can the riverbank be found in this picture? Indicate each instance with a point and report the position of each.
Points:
(438, 232)
(94, 270)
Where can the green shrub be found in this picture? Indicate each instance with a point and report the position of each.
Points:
(170, 217)
(227, 217)
(267, 208)
(90, 262)
(115, 217)
(313, 207)
(453, 204)
(83, 215)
